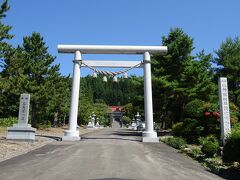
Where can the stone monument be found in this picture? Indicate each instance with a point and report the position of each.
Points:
(97, 125)
(22, 130)
(90, 123)
(134, 124)
(224, 108)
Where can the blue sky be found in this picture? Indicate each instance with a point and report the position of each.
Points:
(122, 22)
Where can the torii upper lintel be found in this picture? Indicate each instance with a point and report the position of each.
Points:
(109, 49)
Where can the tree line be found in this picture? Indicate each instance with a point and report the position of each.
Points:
(178, 78)
(28, 68)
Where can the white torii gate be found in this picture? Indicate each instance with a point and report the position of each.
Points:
(72, 134)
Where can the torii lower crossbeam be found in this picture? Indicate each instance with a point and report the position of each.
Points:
(112, 64)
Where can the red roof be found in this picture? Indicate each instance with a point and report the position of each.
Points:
(115, 108)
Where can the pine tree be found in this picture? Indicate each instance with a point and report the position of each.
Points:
(14, 82)
(228, 65)
(39, 72)
(178, 78)
(58, 90)
(5, 49)
(29, 69)
(4, 31)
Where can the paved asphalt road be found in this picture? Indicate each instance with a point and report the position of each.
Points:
(103, 155)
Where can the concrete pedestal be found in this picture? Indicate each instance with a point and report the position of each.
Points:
(149, 136)
(90, 125)
(21, 132)
(71, 135)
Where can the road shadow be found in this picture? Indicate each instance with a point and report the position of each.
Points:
(57, 138)
(162, 132)
(108, 138)
(117, 134)
(112, 179)
(127, 132)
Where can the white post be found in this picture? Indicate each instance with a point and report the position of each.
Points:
(149, 135)
(224, 108)
(72, 133)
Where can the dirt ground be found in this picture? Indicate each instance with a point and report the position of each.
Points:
(9, 148)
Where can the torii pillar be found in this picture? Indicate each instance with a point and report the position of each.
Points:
(72, 134)
(149, 135)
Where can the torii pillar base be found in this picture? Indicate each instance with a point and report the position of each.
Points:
(71, 136)
(149, 136)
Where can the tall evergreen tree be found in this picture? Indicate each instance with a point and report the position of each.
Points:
(178, 78)
(29, 69)
(228, 61)
(14, 82)
(5, 49)
(39, 71)
(58, 96)
(4, 31)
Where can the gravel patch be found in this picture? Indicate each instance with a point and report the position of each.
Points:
(11, 148)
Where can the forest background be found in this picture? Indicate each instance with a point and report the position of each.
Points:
(181, 81)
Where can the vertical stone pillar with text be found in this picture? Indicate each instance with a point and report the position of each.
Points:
(224, 108)
(22, 130)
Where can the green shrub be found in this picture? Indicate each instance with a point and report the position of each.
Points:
(176, 142)
(210, 146)
(202, 140)
(7, 122)
(231, 151)
(211, 106)
(196, 151)
(177, 129)
(236, 126)
(192, 130)
(213, 164)
(207, 115)
(194, 109)
(189, 129)
(45, 125)
(126, 120)
(234, 113)
(104, 121)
